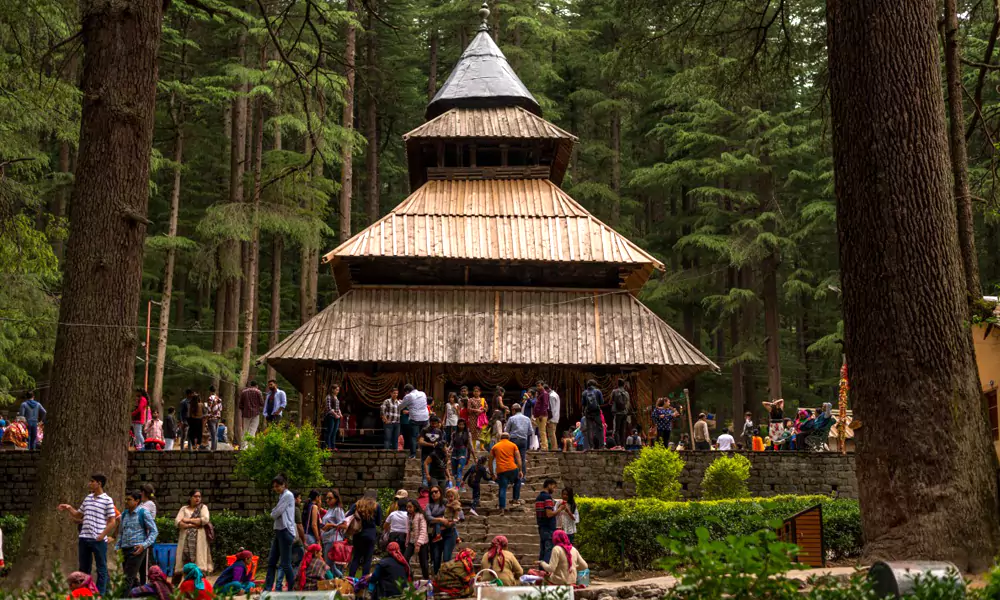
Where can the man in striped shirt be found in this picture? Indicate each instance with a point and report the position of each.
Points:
(251, 403)
(96, 517)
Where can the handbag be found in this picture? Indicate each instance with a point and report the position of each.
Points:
(208, 527)
(340, 552)
(353, 527)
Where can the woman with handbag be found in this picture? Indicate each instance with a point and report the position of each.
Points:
(193, 526)
(335, 548)
(365, 517)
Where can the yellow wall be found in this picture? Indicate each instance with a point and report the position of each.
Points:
(988, 360)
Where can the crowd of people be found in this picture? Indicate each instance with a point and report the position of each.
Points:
(316, 538)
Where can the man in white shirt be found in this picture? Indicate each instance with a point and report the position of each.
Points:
(415, 401)
(726, 441)
(96, 517)
(555, 403)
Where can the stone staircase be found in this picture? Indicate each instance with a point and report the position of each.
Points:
(518, 524)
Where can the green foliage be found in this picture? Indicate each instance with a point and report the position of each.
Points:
(656, 472)
(614, 530)
(13, 533)
(232, 534)
(286, 450)
(745, 566)
(726, 477)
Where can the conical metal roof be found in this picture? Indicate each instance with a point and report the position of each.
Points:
(482, 79)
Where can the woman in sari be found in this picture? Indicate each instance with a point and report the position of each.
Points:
(389, 571)
(312, 569)
(156, 585)
(192, 541)
(477, 414)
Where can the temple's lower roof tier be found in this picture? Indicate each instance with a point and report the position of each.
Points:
(490, 326)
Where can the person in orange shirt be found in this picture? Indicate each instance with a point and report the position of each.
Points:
(508, 468)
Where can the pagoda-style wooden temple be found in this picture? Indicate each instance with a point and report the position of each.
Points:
(488, 274)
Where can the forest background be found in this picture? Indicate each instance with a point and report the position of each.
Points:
(704, 136)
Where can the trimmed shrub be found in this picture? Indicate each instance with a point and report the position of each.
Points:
(611, 531)
(655, 473)
(13, 530)
(291, 451)
(726, 477)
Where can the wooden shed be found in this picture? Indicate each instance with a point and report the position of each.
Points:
(489, 273)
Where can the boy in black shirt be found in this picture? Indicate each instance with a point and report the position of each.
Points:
(474, 477)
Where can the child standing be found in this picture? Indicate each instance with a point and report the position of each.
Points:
(496, 428)
(474, 477)
(450, 416)
(169, 430)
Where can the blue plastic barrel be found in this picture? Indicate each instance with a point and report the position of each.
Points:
(164, 555)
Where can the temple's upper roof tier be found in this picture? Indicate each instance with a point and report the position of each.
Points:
(482, 79)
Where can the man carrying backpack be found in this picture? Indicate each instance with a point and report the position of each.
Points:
(620, 408)
(592, 401)
(136, 536)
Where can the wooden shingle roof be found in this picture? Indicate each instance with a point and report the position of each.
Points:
(465, 325)
(509, 220)
(503, 122)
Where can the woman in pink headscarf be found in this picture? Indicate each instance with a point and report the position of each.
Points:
(312, 569)
(564, 563)
(81, 585)
(502, 562)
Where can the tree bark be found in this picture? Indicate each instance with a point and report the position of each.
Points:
(372, 121)
(616, 168)
(432, 73)
(168, 276)
(347, 153)
(62, 197)
(104, 252)
(233, 267)
(305, 261)
(277, 247)
(772, 325)
(959, 158)
(928, 486)
(737, 393)
(249, 311)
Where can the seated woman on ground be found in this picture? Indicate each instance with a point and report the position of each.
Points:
(156, 586)
(194, 585)
(503, 562)
(456, 577)
(565, 562)
(389, 571)
(81, 585)
(237, 577)
(312, 569)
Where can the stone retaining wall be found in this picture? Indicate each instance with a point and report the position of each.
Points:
(771, 473)
(175, 474)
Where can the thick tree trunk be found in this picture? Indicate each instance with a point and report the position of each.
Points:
(959, 158)
(86, 434)
(772, 326)
(305, 262)
(803, 341)
(432, 73)
(168, 276)
(347, 153)
(372, 121)
(616, 168)
(928, 486)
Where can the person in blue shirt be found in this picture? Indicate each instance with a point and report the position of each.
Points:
(33, 413)
(136, 535)
(222, 435)
(274, 404)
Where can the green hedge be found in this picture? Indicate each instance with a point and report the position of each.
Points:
(613, 530)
